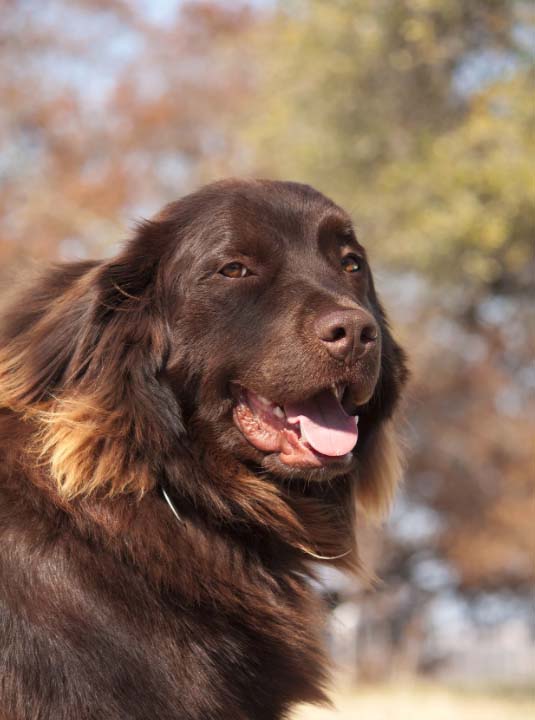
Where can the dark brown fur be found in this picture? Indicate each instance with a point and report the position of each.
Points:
(113, 385)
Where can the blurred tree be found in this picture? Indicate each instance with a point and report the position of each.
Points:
(462, 528)
(416, 114)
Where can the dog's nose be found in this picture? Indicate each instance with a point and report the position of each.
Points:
(347, 334)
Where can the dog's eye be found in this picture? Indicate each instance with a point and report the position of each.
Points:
(235, 270)
(351, 263)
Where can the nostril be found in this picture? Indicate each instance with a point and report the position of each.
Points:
(368, 334)
(338, 333)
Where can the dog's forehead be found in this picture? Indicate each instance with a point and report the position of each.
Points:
(259, 217)
(286, 210)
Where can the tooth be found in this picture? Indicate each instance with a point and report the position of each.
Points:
(279, 412)
(338, 390)
(262, 400)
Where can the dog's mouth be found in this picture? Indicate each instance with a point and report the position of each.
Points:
(308, 433)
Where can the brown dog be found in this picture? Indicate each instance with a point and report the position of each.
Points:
(178, 440)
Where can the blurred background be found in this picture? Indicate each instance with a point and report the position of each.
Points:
(418, 116)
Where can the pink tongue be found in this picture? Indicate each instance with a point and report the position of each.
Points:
(324, 424)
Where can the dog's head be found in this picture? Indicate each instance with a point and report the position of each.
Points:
(241, 323)
(279, 344)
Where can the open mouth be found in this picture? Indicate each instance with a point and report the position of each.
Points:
(310, 433)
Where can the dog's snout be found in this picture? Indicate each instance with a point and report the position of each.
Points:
(347, 334)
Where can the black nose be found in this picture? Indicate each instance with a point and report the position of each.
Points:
(347, 334)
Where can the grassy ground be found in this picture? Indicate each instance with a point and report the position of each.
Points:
(424, 702)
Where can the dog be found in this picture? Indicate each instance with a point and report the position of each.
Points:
(185, 431)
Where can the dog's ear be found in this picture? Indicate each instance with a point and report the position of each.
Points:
(379, 470)
(380, 455)
(84, 363)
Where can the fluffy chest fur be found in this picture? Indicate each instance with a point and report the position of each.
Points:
(122, 612)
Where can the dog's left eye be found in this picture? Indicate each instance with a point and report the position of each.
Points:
(351, 263)
(235, 270)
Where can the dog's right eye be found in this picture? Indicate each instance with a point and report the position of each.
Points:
(235, 270)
